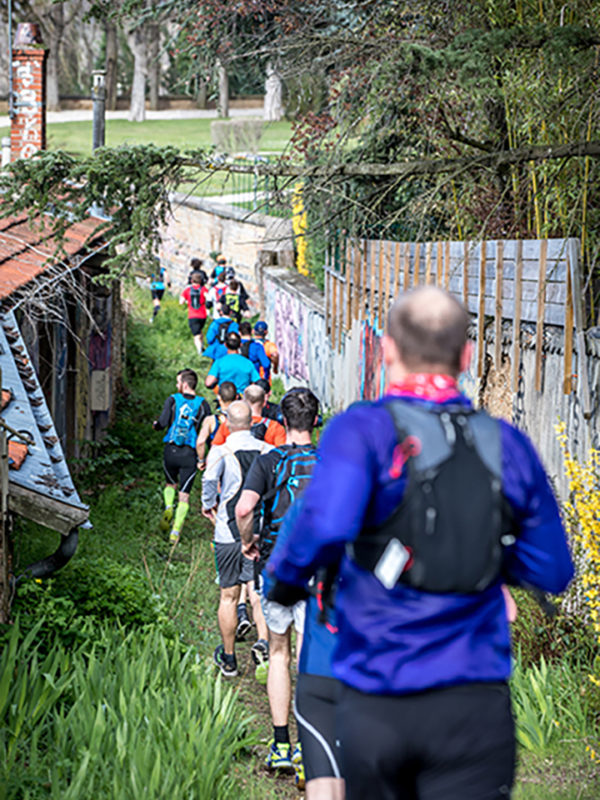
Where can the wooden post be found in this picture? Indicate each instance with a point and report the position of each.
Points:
(380, 283)
(466, 275)
(386, 290)
(447, 266)
(439, 263)
(4, 543)
(417, 264)
(396, 270)
(333, 309)
(481, 314)
(406, 276)
(517, 315)
(428, 247)
(499, 304)
(363, 301)
(349, 284)
(372, 282)
(568, 348)
(541, 313)
(356, 272)
(582, 369)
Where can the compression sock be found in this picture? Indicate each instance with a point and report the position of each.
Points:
(281, 734)
(169, 496)
(180, 515)
(155, 310)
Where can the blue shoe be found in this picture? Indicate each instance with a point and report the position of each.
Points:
(279, 756)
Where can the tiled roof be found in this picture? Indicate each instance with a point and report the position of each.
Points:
(25, 248)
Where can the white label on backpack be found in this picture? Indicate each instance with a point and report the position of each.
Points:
(391, 564)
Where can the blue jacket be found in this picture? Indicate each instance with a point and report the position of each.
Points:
(404, 640)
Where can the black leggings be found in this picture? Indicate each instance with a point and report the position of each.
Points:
(180, 466)
(314, 707)
(446, 744)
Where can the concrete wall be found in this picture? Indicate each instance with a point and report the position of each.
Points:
(248, 240)
(295, 312)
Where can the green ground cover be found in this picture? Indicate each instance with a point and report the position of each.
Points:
(126, 609)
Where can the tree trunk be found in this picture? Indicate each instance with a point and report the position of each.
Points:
(223, 107)
(153, 39)
(137, 43)
(55, 25)
(201, 93)
(273, 105)
(111, 66)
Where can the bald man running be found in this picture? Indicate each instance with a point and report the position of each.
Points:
(226, 468)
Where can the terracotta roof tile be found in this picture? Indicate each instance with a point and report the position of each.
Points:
(25, 248)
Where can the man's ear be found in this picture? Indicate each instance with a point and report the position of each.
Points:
(466, 356)
(389, 350)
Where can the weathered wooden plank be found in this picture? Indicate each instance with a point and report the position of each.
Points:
(499, 306)
(481, 313)
(372, 281)
(417, 264)
(406, 277)
(396, 270)
(539, 334)
(439, 264)
(386, 290)
(465, 273)
(363, 298)
(446, 265)
(380, 281)
(349, 284)
(568, 349)
(44, 510)
(578, 313)
(333, 310)
(517, 317)
(428, 247)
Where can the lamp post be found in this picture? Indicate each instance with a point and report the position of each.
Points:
(99, 98)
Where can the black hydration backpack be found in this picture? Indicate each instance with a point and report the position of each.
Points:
(259, 429)
(448, 532)
(245, 347)
(223, 330)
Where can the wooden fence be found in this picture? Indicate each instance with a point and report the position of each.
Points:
(498, 281)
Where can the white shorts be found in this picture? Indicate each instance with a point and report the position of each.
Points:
(279, 618)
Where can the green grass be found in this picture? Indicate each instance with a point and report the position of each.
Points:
(76, 137)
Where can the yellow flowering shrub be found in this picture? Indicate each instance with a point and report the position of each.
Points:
(300, 227)
(582, 517)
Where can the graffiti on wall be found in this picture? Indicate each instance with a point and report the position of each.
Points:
(372, 372)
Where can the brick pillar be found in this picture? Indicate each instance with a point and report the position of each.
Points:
(28, 126)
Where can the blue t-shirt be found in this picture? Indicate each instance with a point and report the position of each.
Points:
(213, 332)
(235, 368)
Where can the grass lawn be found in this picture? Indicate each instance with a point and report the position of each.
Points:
(76, 137)
(126, 503)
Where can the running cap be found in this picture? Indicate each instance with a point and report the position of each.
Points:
(261, 326)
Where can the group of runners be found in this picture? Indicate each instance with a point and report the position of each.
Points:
(387, 550)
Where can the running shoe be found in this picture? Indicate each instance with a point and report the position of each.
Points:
(279, 756)
(174, 536)
(165, 520)
(298, 766)
(243, 626)
(228, 669)
(261, 673)
(260, 652)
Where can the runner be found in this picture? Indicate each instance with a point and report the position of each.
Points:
(210, 425)
(217, 332)
(235, 300)
(229, 276)
(423, 648)
(317, 691)
(216, 293)
(194, 296)
(260, 331)
(226, 468)
(196, 266)
(254, 350)
(157, 287)
(182, 416)
(232, 367)
(270, 409)
(268, 430)
(274, 482)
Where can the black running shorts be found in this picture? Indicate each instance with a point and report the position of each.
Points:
(233, 568)
(180, 466)
(196, 324)
(157, 294)
(314, 707)
(455, 743)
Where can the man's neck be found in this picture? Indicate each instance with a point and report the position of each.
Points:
(298, 437)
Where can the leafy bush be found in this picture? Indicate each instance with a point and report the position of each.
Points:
(135, 716)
